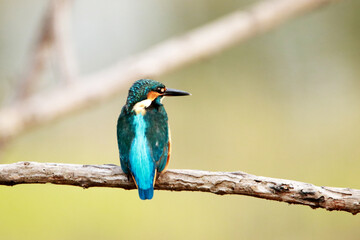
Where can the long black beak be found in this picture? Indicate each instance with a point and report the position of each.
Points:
(174, 92)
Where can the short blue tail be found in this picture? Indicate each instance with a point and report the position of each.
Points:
(146, 193)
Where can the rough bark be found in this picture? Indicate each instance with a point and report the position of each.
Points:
(294, 192)
(172, 54)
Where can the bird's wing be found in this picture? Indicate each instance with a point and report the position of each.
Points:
(125, 136)
(168, 155)
(157, 134)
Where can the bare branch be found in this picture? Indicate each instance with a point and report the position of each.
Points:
(63, 47)
(54, 35)
(167, 56)
(37, 61)
(294, 192)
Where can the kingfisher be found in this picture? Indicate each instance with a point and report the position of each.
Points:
(143, 134)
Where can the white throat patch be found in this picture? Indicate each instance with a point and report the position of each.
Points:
(140, 106)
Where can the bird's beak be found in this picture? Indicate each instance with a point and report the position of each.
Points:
(174, 92)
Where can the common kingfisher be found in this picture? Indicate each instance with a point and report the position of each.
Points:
(143, 134)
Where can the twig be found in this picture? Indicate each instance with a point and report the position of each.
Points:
(167, 56)
(294, 192)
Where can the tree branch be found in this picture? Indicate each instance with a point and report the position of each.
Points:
(294, 192)
(163, 58)
(54, 35)
(38, 56)
(63, 44)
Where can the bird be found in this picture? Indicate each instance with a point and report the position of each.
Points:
(143, 134)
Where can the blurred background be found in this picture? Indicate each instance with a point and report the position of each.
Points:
(284, 104)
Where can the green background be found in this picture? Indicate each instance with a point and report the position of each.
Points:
(284, 104)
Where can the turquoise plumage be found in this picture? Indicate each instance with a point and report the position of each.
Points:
(143, 134)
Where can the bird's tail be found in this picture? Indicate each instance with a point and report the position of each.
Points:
(146, 193)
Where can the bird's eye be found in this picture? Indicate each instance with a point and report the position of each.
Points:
(160, 90)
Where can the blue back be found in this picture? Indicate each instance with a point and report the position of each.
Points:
(143, 142)
(141, 162)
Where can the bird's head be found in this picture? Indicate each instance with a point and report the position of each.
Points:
(144, 92)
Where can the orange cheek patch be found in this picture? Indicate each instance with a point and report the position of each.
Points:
(152, 95)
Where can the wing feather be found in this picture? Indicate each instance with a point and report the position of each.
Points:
(157, 134)
(125, 136)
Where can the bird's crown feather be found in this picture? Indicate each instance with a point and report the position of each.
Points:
(140, 89)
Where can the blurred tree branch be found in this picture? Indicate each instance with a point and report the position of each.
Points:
(172, 54)
(240, 183)
(63, 47)
(54, 35)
